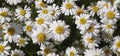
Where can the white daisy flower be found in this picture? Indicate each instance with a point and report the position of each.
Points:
(83, 21)
(4, 49)
(21, 42)
(59, 31)
(52, 54)
(68, 8)
(13, 2)
(39, 4)
(94, 52)
(49, 1)
(23, 14)
(46, 49)
(54, 11)
(116, 4)
(71, 51)
(93, 29)
(102, 4)
(44, 12)
(17, 52)
(108, 37)
(42, 22)
(110, 15)
(79, 11)
(12, 30)
(40, 35)
(4, 13)
(107, 51)
(90, 41)
(108, 28)
(116, 44)
(28, 27)
(93, 9)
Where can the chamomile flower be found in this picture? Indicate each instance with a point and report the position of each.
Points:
(17, 52)
(46, 49)
(83, 21)
(94, 52)
(39, 4)
(13, 2)
(42, 22)
(54, 11)
(115, 45)
(117, 4)
(93, 9)
(102, 4)
(49, 1)
(4, 49)
(108, 37)
(44, 12)
(21, 42)
(110, 15)
(40, 35)
(71, 51)
(12, 31)
(90, 41)
(108, 28)
(23, 14)
(28, 27)
(68, 7)
(4, 13)
(93, 29)
(107, 51)
(79, 11)
(52, 54)
(59, 31)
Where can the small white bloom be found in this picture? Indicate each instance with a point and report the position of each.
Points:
(68, 7)
(23, 14)
(59, 31)
(17, 52)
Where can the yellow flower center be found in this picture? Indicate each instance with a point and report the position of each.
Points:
(60, 29)
(110, 15)
(11, 31)
(95, 55)
(105, 5)
(95, 8)
(15, 54)
(46, 51)
(112, 2)
(81, 46)
(1, 48)
(42, 4)
(108, 26)
(90, 40)
(44, 11)
(41, 37)
(91, 28)
(22, 12)
(72, 53)
(79, 11)
(4, 14)
(40, 21)
(1, 27)
(52, 13)
(107, 52)
(82, 21)
(117, 44)
(21, 41)
(68, 6)
(28, 28)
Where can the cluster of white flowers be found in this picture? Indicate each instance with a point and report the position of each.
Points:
(42, 23)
